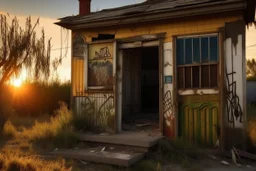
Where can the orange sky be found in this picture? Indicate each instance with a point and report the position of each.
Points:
(53, 31)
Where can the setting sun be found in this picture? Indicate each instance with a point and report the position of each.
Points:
(17, 82)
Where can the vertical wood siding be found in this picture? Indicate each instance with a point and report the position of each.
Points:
(198, 122)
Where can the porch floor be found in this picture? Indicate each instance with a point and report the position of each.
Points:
(136, 139)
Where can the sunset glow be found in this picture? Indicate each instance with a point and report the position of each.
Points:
(17, 82)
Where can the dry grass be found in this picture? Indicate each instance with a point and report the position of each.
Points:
(22, 144)
(56, 124)
(16, 161)
(58, 131)
(26, 121)
(54, 132)
(9, 130)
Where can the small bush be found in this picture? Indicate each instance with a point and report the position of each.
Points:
(16, 161)
(58, 130)
(9, 130)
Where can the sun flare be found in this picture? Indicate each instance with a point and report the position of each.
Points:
(17, 82)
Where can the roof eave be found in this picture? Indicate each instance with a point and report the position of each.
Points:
(147, 17)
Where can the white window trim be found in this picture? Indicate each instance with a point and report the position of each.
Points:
(198, 92)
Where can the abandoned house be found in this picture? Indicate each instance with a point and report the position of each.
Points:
(173, 67)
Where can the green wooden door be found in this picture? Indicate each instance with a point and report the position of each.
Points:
(198, 120)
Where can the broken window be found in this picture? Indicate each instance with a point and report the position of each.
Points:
(104, 37)
(197, 62)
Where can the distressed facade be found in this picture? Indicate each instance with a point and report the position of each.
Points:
(184, 74)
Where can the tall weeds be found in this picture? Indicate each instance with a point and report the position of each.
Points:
(37, 98)
(59, 130)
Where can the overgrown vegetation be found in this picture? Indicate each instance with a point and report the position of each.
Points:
(251, 68)
(58, 131)
(16, 161)
(22, 144)
(37, 98)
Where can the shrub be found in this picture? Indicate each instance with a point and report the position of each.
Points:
(16, 161)
(36, 98)
(9, 130)
(58, 130)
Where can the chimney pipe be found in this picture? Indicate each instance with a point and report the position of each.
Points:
(84, 7)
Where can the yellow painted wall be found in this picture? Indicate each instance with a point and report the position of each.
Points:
(177, 27)
(77, 76)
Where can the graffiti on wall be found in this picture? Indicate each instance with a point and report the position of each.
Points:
(169, 112)
(235, 43)
(98, 111)
(233, 107)
(100, 73)
(103, 53)
(100, 68)
(79, 46)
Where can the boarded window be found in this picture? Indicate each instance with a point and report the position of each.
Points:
(197, 62)
(100, 65)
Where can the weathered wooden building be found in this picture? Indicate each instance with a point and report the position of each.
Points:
(176, 64)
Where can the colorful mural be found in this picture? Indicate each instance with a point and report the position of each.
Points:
(100, 67)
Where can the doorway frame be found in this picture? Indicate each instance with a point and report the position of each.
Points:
(154, 40)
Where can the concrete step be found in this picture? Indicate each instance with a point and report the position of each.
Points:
(101, 156)
(134, 139)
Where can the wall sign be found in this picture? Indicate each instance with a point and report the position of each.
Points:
(168, 79)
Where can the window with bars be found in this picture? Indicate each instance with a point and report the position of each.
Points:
(197, 62)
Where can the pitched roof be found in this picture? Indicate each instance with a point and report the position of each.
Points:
(150, 11)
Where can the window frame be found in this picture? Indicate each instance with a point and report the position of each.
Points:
(186, 91)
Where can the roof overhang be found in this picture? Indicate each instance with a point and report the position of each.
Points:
(174, 13)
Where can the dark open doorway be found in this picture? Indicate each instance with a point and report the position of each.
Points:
(140, 109)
